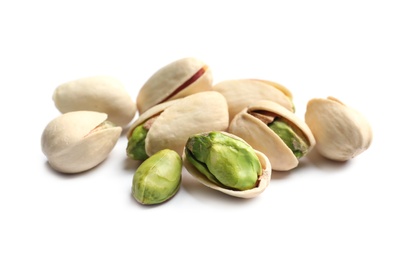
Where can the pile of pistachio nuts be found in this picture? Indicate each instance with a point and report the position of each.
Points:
(228, 135)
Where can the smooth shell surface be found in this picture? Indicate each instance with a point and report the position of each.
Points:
(263, 180)
(177, 120)
(341, 132)
(265, 140)
(178, 79)
(99, 93)
(241, 93)
(72, 143)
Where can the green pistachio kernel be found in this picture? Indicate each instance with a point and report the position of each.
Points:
(293, 138)
(224, 160)
(136, 144)
(158, 178)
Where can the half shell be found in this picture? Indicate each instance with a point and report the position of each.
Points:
(263, 180)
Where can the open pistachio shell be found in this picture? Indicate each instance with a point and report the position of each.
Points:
(98, 93)
(180, 118)
(341, 132)
(262, 182)
(240, 93)
(78, 141)
(178, 79)
(264, 139)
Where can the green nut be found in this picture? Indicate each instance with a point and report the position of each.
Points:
(136, 144)
(158, 178)
(292, 137)
(228, 162)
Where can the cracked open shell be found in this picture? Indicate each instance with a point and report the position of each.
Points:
(241, 93)
(78, 141)
(252, 124)
(176, 120)
(264, 177)
(104, 94)
(175, 80)
(341, 132)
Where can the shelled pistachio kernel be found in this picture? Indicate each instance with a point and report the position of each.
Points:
(158, 178)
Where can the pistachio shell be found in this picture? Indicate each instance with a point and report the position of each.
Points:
(178, 119)
(98, 93)
(240, 93)
(264, 139)
(341, 132)
(262, 183)
(175, 80)
(78, 141)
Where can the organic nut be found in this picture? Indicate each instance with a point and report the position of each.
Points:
(99, 93)
(78, 141)
(158, 178)
(175, 80)
(241, 93)
(226, 163)
(340, 131)
(275, 131)
(174, 121)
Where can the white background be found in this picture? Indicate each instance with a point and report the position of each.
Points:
(321, 210)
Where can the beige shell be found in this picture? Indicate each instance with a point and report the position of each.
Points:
(78, 141)
(340, 131)
(263, 139)
(180, 118)
(263, 180)
(175, 80)
(240, 93)
(98, 93)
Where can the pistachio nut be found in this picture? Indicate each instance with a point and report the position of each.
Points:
(240, 93)
(78, 141)
(158, 178)
(174, 121)
(98, 93)
(227, 163)
(275, 131)
(341, 132)
(178, 79)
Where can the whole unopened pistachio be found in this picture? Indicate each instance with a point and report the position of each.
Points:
(178, 79)
(169, 124)
(227, 163)
(98, 93)
(78, 141)
(158, 178)
(341, 132)
(241, 93)
(275, 131)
